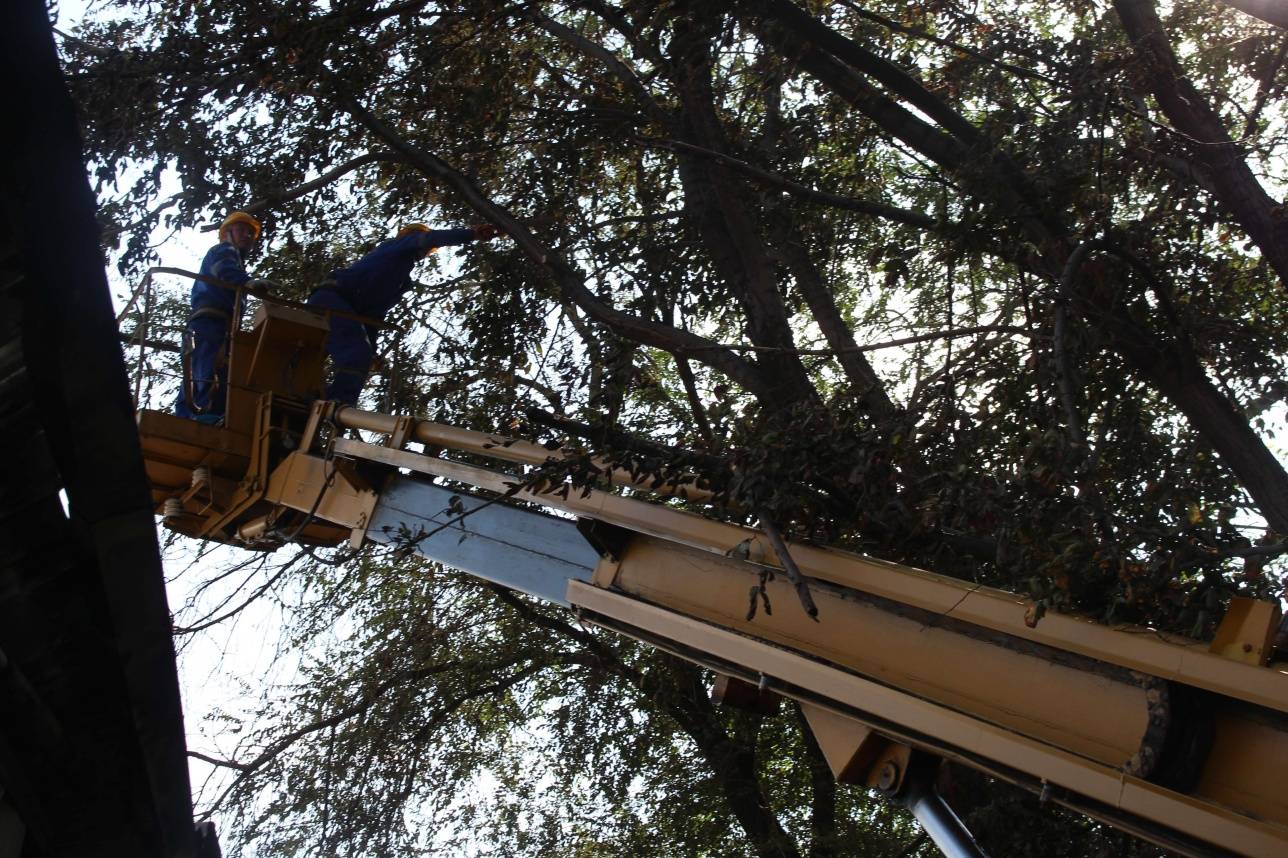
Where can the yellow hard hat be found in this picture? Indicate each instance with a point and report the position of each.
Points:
(239, 217)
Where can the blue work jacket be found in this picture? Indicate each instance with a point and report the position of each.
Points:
(222, 262)
(377, 281)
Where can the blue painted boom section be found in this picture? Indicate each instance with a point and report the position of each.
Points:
(524, 550)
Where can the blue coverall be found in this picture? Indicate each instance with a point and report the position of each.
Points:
(371, 287)
(212, 311)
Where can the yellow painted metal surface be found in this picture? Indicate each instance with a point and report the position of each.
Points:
(1135, 648)
(283, 354)
(1247, 632)
(732, 691)
(1245, 768)
(330, 490)
(901, 657)
(848, 745)
(506, 449)
(1075, 708)
(939, 729)
(173, 447)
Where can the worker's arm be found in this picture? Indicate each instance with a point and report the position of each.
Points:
(450, 237)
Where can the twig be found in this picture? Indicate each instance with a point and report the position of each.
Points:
(312, 185)
(919, 33)
(131, 338)
(652, 218)
(869, 347)
(882, 210)
(789, 565)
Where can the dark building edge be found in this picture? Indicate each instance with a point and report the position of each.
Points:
(92, 753)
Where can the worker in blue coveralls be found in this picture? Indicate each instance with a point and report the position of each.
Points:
(371, 287)
(204, 393)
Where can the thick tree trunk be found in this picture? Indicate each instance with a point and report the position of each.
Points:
(1180, 378)
(718, 199)
(822, 807)
(863, 378)
(677, 688)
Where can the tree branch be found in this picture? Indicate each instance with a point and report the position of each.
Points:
(721, 209)
(1271, 11)
(1235, 186)
(565, 276)
(902, 84)
(685, 372)
(1172, 367)
(881, 210)
(619, 69)
(918, 33)
(308, 187)
(888, 344)
(676, 689)
(867, 385)
(788, 563)
(822, 818)
(364, 702)
(130, 338)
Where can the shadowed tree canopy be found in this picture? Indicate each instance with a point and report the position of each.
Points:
(993, 289)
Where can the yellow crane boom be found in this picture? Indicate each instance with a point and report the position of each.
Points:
(1176, 740)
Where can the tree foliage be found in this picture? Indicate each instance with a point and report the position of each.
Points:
(994, 289)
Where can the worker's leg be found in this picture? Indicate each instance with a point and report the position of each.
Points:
(207, 370)
(349, 346)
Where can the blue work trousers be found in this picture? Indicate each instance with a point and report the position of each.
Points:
(349, 346)
(207, 369)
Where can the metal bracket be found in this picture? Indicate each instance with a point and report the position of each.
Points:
(608, 539)
(319, 415)
(1247, 633)
(734, 692)
(402, 431)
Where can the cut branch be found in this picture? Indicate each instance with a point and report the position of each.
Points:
(789, 564)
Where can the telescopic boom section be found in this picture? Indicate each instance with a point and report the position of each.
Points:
(1179, 741)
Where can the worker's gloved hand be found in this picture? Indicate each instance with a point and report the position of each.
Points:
(485, 231)
(264, 286)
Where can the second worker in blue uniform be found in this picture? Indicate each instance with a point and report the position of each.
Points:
(371, 287)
